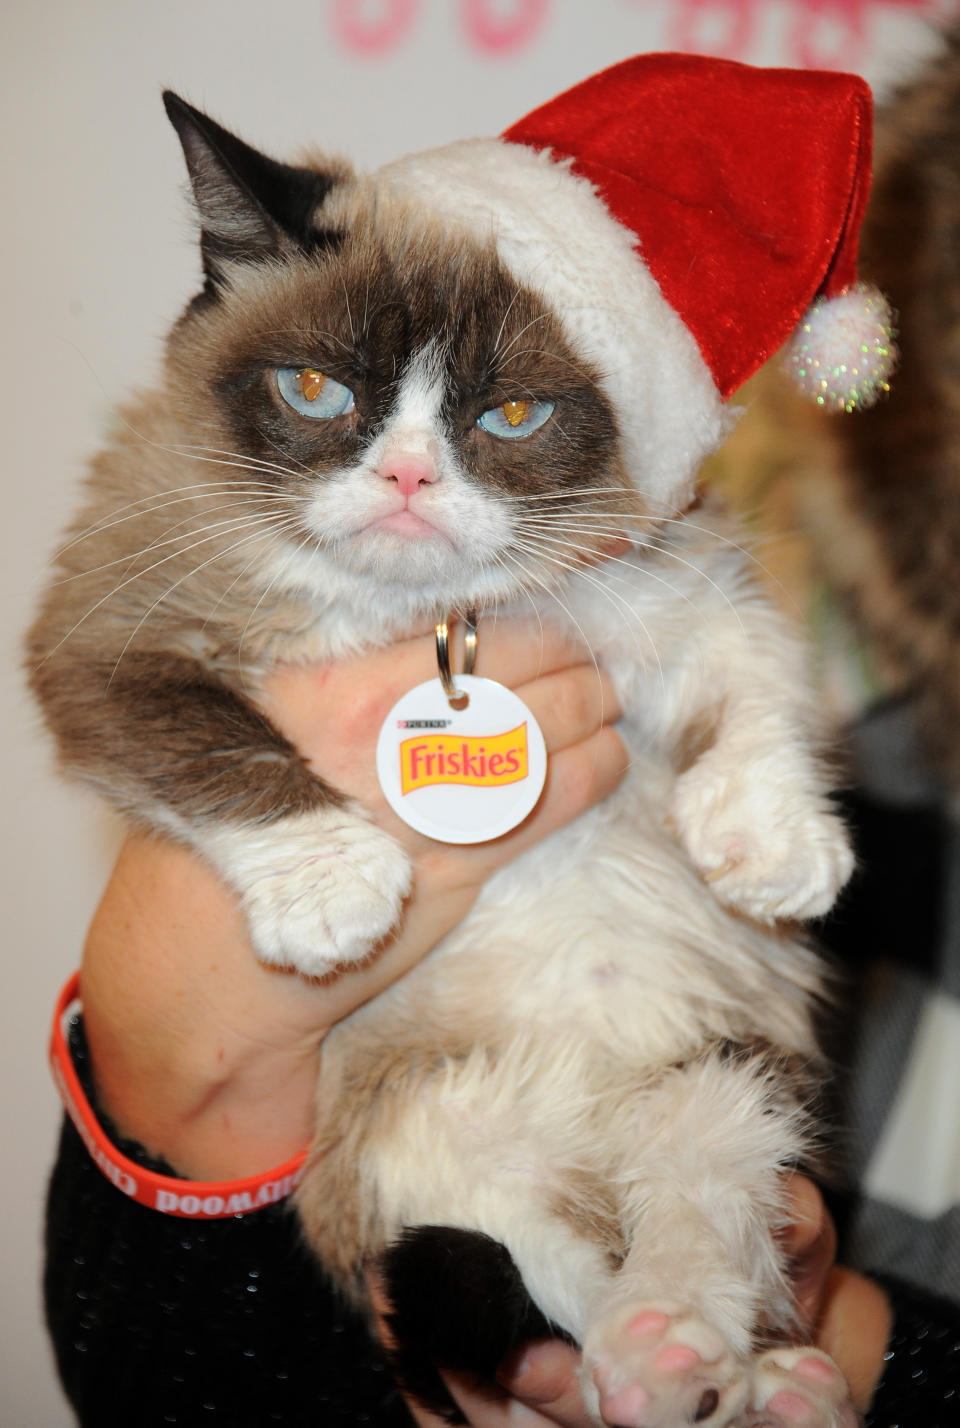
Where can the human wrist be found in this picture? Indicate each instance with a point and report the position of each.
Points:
(148, 1180)
(209, 1119)
(199, 1053)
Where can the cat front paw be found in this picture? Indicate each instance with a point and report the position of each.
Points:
(767, 847)
(659, 1366)
(319, 889)
(798, 1388)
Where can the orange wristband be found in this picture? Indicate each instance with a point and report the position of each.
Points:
(191, 1199)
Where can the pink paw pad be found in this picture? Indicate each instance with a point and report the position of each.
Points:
(816, 1369)
(790, 1406)
(651, 1321)
(675, 1358)
(802, 1389)
(656, 1369)
(624, 1409)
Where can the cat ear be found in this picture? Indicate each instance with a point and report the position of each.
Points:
(251, 207)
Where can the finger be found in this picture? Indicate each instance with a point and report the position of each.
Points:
(810, 1241)
(855, 1330)
(543, 1377)
(487, 1406)
(357, 693)
(577, 778)
(515, 651)
(571, 705)
(482, 1405)
(421, 1417)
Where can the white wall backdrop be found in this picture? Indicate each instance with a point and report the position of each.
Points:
(97, 257)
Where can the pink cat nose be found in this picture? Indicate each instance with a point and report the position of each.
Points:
(410, 470)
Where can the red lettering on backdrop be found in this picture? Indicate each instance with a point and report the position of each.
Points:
(373, 26)
(498, 27)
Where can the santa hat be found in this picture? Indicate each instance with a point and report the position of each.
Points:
(684, 216)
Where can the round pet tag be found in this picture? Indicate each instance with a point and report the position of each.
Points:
(461, 775)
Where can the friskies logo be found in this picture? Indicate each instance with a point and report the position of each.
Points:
(480, 761)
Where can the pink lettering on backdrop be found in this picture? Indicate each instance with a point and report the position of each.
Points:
(812, 29)
(498, 27)
(373, 26)
(825, 34)
(695, 27)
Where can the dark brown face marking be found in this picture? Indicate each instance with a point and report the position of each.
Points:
(362, 315)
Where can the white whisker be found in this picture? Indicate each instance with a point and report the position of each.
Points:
(218, 555)
(346, 298)
(290, 557)
(499, 337)
(525, 592)
(115, 590)
(607, 560)
(204, 491)
(543, 352)
(530, 575)
(612, 596)
(743, 550)
(573, 493)
(302, 464)
(166, 538)
(541, 317)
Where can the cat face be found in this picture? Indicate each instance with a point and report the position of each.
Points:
(422, 411)
(423, 414)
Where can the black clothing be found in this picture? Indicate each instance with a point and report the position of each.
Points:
(159, 1320)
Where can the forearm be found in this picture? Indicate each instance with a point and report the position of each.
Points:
(183, 1062)
(202, 1053)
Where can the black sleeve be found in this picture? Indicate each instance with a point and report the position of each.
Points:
(158, 1320)
(920, 1387)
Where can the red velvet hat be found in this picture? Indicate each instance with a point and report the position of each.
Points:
(746, 189)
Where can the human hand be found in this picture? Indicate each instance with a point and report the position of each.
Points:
(207, 1056)
(845, 1314)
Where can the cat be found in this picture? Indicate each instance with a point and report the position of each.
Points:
(594, 1085)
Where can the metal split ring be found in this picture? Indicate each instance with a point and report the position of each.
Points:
(443, 655)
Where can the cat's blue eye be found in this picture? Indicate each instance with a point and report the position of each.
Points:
(515, 419)
(313, 394)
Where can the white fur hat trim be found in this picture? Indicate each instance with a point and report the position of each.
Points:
(555, 235)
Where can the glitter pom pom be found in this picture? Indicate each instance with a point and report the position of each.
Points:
(843, 352)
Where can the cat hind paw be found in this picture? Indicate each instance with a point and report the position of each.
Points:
(654, 1366)
(798, 1388)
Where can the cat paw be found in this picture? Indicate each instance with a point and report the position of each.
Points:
(765, 851)
(798, 1388)
(657, 1366)
(319, 890)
